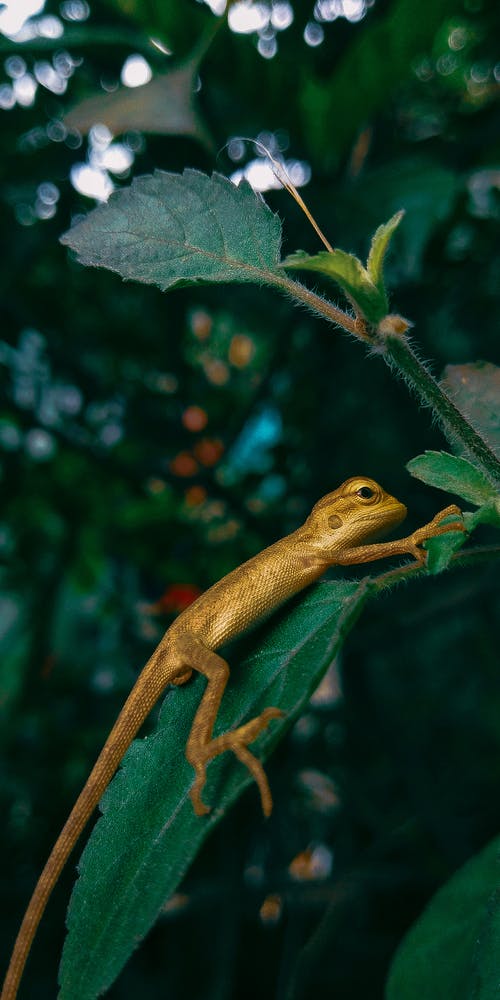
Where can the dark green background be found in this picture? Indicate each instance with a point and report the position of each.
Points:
(94, 533)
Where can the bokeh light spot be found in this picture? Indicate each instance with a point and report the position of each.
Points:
(201, 323)
(91, 182)
(136, 71)
(216, 371)
(241, 350)
(40, 444)
(14, 13)
(194, 418)
(208, 451)
(195, 495)
(75, 10)
(281, 15)
(246, 17)
(313, 34)
(184, 465)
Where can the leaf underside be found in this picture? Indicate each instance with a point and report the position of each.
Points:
(169, 229)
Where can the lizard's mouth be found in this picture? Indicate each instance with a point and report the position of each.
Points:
(392, 515)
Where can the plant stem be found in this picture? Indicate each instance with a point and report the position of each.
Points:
(399, 354)
(317, 304)
(461, 560)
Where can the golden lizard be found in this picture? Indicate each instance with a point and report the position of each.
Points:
(338, 531)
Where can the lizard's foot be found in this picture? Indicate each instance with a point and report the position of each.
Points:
(195, 792)
(435, 528)
(236, 740)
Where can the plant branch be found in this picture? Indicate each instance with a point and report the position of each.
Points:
(399, 355)
(461, 560)
(317, 304)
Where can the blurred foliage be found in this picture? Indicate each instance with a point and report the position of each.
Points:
(150, 444)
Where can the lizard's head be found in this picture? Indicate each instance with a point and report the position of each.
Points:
(357, 512)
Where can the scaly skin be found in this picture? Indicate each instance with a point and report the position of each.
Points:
(337, 532)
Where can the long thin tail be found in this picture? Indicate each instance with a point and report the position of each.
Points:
(140, 701)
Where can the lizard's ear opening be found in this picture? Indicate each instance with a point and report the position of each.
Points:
(334, 521)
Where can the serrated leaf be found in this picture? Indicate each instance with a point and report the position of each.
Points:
(348, 271)
(475, 390)
(440, 957)
(455, 475)
(166, 229)
(148, 834)
(380, 242)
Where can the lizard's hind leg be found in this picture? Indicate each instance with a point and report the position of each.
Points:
(201, 746)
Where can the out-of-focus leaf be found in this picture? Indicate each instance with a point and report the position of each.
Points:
(380, 242)
(166, 105)
(443, 953)
(487, 953)
(383, 54)
(148, 835)
(455, 475)
(349, 273)
(475, 389)
(167, 229)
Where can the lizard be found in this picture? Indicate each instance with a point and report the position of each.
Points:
(341, 529)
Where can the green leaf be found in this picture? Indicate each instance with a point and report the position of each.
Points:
(380, 242)
(441, 549)
(349, 273)
(148, 834)
(475, 390)
(487, 954)
(449, 951)
(167, 229)
(455, 475)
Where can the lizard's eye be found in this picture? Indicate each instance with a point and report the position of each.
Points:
(365, 492)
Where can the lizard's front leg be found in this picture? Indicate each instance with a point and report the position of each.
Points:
(201, 746)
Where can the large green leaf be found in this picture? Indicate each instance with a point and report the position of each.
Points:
(148, 835)
(166, 229)
(450, 952)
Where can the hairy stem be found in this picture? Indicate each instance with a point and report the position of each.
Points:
(399, 355)
(461, 560)
(317, 304)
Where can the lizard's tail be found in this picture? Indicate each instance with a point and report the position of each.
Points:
(140, 701)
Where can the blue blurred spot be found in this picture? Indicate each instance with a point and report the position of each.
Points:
(251, 450)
